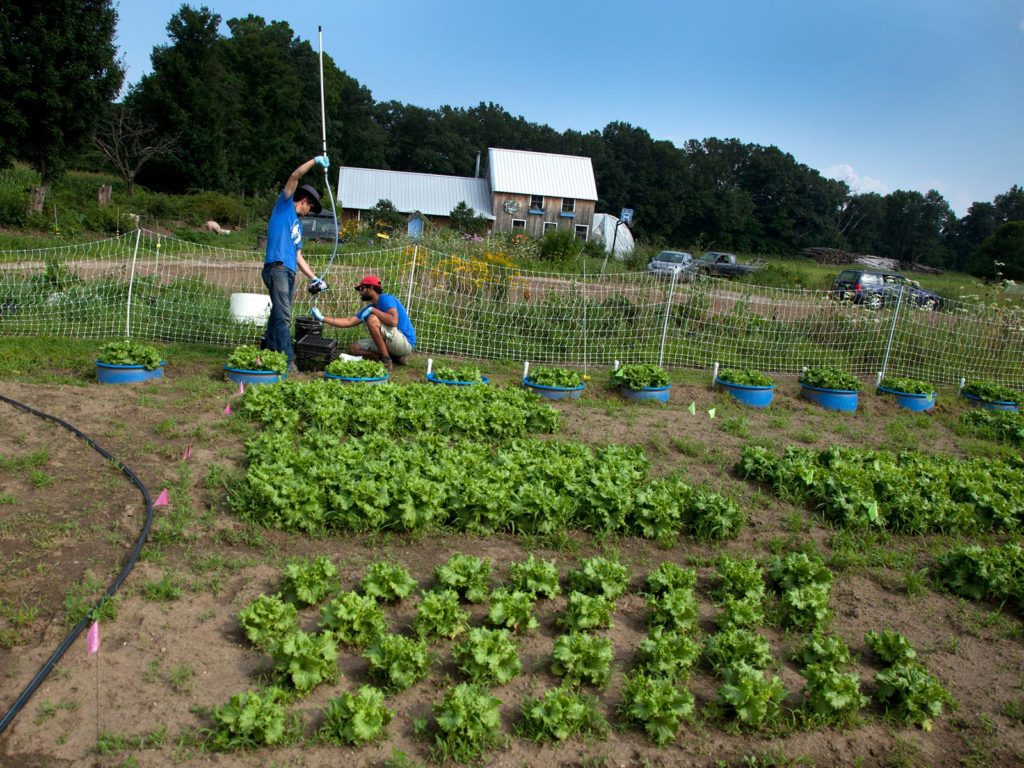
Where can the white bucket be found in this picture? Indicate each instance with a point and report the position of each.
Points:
(250, 307)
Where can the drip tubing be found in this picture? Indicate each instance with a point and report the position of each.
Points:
(50, 663)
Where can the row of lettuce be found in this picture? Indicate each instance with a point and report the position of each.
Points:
(328, 459)
(792, 594)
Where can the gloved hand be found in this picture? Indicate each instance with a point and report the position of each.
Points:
(316, 313)
(316, 285)
(322, 161)
(364, 313)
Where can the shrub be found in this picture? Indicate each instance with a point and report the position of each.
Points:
(559, 245)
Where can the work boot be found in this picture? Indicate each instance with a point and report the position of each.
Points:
(388, 363)
(402, 360)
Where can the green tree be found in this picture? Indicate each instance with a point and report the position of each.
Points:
(1002, 255)
(463, 219)
(190, 94)
(58, 74)
(1010, 205)
(385, 218)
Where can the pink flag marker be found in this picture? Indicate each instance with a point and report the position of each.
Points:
(187, 453)
(162, 500)
(92, 639)
(241, 388)
(227, 409)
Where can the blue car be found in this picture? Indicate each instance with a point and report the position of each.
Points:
(876, 289)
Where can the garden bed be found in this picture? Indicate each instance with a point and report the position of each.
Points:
(166, 660)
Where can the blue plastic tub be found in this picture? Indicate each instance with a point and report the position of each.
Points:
(831, 399)
(253, 377)
(755, 397)
(434, 380)
(991, 405)
(356, 380)
(107, 373)
(555, 393)
(911, 401)
(660, 394)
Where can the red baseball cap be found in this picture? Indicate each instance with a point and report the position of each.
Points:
(369, 280)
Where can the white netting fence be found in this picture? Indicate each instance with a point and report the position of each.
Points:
(157, 288)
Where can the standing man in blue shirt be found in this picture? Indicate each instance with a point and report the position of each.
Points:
(284, 256)
(392, 336)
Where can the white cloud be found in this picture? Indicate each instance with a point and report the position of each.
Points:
(857, 183)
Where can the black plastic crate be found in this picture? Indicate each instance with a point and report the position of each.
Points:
(308, 326)
(314, 353)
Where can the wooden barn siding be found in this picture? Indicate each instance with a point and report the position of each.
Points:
(535, 222)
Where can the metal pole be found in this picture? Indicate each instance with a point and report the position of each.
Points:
(892, 331)
(668, 310)
(615, 237)
(131, 282)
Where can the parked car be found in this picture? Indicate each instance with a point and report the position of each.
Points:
(876, 289)
(317, 227)
(721, 265)
(667, 262)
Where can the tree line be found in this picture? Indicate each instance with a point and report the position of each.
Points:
(233, 113)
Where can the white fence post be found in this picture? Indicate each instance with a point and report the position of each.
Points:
(131, 283)
(892, 331)
(412, 276)
(668, 311)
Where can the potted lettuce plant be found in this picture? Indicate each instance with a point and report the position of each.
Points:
(638, 381)
(249, 364)
(126, 362)
(831, 388)
(911, 394)
(991, 396)
(555, 383)
(461, 376)
(747, 386)
(357, 372)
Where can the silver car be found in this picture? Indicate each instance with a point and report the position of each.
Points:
(667, 262)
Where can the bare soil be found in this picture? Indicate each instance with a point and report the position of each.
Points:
(163, 664)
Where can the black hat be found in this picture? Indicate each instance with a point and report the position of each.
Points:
(306, 192)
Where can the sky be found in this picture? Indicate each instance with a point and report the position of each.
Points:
(884, 94)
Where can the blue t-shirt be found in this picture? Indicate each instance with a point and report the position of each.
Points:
(386, 302)
(284, 233)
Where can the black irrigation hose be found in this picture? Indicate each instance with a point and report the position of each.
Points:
(125, 570)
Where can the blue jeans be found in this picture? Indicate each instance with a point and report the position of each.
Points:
(280, 281)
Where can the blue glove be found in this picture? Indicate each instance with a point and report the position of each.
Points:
(316, 313)
(316, 285)
(364, 313)
(322, 161)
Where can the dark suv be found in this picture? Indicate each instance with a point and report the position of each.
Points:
(317, 227)
(876, 289)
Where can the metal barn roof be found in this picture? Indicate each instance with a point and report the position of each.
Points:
(539, 173)
(428, 193)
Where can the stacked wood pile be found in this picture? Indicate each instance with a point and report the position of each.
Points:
(824, 255)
